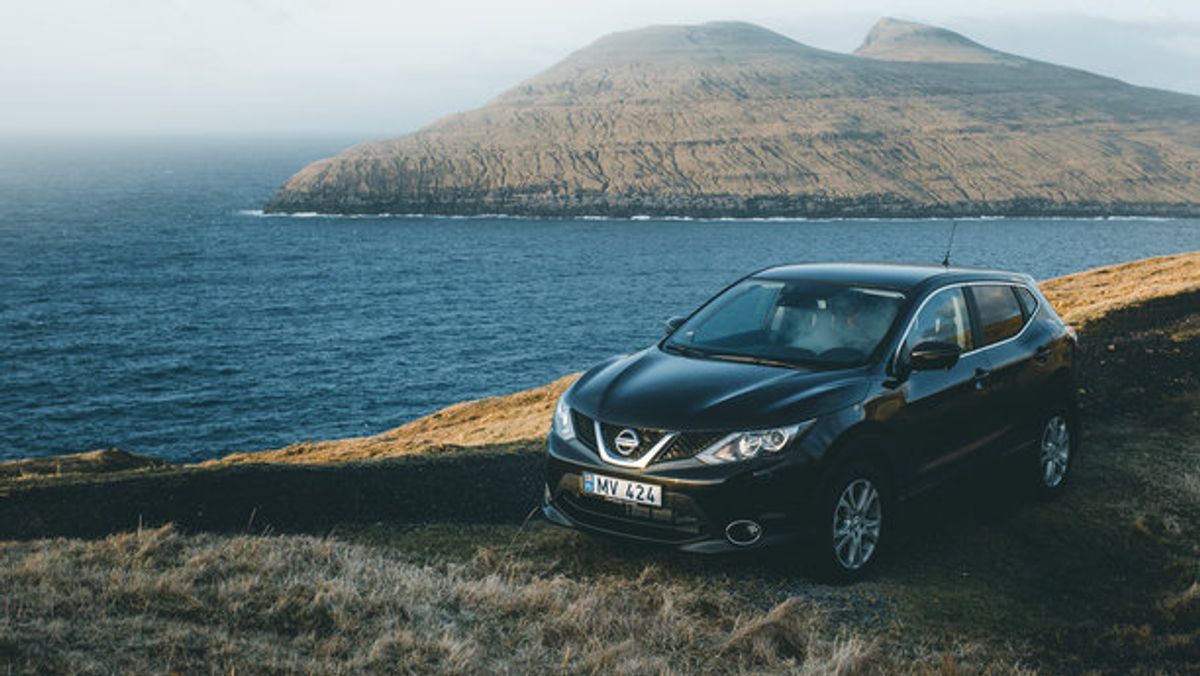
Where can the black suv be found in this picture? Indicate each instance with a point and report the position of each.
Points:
(804, 401)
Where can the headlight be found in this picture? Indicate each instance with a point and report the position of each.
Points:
(562, 419)
(749, 445)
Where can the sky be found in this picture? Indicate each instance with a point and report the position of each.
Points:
(374, 68)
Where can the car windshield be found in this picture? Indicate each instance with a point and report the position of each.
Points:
(790, 323)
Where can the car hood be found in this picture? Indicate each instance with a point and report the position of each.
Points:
(659, 390)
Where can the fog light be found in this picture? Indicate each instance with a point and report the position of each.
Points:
(743, 532)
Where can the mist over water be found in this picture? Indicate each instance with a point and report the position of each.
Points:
(144, 305)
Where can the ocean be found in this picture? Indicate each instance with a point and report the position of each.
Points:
(146, 304)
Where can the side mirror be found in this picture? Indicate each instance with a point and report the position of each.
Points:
(934, 356)
(673, 323)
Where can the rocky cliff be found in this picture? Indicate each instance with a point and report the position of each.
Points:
(731, 119)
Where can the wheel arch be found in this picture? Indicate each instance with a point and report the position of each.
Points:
(866, 441)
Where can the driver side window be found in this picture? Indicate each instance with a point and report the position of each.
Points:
(943, 319)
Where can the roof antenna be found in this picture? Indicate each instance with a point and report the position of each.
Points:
(950, 244)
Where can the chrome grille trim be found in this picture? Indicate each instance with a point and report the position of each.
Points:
(640, 463)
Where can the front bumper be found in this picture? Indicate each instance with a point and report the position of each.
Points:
(698, 501)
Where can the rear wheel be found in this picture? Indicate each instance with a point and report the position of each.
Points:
(1056, 444)
(851, 523)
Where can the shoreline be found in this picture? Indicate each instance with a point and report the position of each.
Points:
(260, 213)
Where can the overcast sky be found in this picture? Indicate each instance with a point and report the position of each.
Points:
(376, 68)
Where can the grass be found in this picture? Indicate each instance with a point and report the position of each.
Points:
(91, 462)
(1089, 295)
(495, 421)
(985, 580)
(1104, 578)
(160, 601)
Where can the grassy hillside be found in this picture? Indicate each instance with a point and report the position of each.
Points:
(732, 119)
(320, 558)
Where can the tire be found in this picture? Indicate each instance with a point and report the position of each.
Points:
(1056, 446)
(851, 522)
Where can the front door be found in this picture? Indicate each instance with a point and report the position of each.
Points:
(943, 420)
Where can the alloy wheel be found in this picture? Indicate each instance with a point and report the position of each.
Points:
(857, 524)
(1055, 451)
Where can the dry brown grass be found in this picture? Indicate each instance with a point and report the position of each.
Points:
(522, 416)
(91, 462)
(1091, 294)
(525, 416)
(159, 601)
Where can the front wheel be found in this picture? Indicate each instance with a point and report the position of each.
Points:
(851, 523)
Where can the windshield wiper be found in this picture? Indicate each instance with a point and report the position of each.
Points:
(748, 359)
(685, 350)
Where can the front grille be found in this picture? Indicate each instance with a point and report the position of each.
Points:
(688, 444)
(684, 445)
(646, 440)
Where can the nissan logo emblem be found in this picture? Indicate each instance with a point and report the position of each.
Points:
(627, 441)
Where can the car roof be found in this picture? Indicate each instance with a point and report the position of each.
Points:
(891, 275)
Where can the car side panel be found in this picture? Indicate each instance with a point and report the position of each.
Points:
(939, 419)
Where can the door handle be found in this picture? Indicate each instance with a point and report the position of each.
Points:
(981, 377)
(1042, 354)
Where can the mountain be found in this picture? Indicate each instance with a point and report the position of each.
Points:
(731, 119)
(896, 40)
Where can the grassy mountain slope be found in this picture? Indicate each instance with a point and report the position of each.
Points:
(731, 119)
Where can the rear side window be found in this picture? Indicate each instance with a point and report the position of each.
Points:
(1000, 315)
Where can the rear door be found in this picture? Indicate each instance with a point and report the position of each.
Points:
(1015, 356)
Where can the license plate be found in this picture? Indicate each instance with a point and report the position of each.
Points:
(622, 490)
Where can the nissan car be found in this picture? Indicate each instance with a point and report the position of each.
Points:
(804, 403)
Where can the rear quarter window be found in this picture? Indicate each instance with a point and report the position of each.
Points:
(1028, 301)
(1000, 312)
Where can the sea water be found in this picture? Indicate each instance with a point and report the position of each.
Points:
(146, 303)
